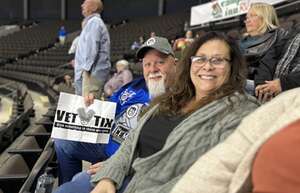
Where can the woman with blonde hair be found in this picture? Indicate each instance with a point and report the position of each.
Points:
(262, 44)
(260, 18)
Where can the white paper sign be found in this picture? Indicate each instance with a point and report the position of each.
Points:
(74, 121)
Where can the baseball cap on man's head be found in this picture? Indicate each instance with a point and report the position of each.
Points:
(158, 43)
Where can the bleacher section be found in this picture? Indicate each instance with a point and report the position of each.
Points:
(23, 161)
(38, 66)
(45, 64)
(32, 39)
(31, 149)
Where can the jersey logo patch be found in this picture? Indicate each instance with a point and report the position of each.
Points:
(126, 95)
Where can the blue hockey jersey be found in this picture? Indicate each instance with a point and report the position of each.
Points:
(130, 99)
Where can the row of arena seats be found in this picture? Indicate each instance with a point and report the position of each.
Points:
(123, 36)
(41, 68)
(22, 110)
(34, 69)
(38, 79)
(37, 82)
(27, 157)
(33, 38)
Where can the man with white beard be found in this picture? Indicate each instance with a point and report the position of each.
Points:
(158, 62)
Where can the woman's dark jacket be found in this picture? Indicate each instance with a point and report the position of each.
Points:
(264, 49)
(278, 58)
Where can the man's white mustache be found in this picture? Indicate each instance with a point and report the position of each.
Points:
(154, 75)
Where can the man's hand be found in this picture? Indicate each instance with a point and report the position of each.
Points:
(72, 63)
(89, 99)
(105, 186)
(109, 92)
(94, 168)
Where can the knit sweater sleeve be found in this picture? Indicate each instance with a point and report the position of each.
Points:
(117, 166)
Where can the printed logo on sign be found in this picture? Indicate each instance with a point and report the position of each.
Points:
(150, 42)
(126, 95)
(85, 117)
(244, 6)
(217, 10)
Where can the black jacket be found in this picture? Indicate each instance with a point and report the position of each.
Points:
(267, 65)
(265, 48)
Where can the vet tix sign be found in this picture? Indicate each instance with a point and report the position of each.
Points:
(74, 121)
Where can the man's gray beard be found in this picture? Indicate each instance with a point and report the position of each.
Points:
(156, 88)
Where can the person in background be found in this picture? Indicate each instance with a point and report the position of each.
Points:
(130, 99)
(119, 79)
(62, 34)
(189, 37)
(92, 57)
(65, 86)
(152, 34)
(262, 43)
(181, 43)
(141, 40)
(137, 44)
(285, 75)
(72, 49)
(200, 110)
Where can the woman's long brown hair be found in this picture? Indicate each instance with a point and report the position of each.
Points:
(183, 90)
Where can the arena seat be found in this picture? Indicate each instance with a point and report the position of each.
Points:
(13, 173)
(14, 165)
(29, 149)
(43, 162)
